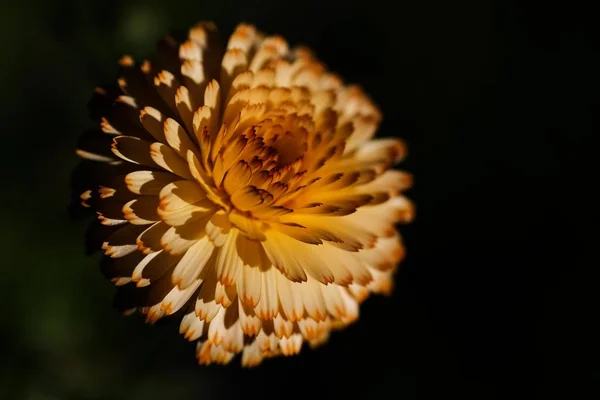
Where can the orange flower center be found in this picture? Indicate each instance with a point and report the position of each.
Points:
(264, 163)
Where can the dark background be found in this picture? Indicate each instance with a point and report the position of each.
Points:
(498, 296)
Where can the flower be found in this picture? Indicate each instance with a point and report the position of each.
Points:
(241, 189)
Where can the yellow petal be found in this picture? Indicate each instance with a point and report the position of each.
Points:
(290, 298)
(122, 242)
(177, 239)
(249, 322)
(237, 178)
(234, 62)
(312, 298)
(234, 338)
(152, 120)
(192, 263)
(268, 304)
(178, 297)
(191, 327)
(242, 38)
(283, 327)
(133, 150)
(292, 345)
(251, 228)
(228, 262)
(180, 194)
(148, 182)
(150, 239)
(178, 138)
(168, 159)
(249, 283)
(142, 211)
(216, 328)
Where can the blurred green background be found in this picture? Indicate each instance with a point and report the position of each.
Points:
(486, 95)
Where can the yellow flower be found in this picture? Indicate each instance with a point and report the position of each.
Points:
(241, 189)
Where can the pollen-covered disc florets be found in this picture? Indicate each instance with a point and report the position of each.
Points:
(240, 188)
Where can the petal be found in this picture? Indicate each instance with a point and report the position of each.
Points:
(177, 297)
(292, 345)
(334, 300)
(339, 230)
(180, 194)
(191, 327)
(250, 227)
(216, 329)
(148, 182)
(218, 227)
(141, 211)
(234, 338)
(234, 62)
(391, 181)
(290, 298)
(382, 283)
(202, 124)
(282, 327)
(212, 97)
(202, 178)
(178, 239)
(294, 258)
(152, 120)
(178, 138)
(133, 150)
(96, 146)
(388, 252)
(268, 304)
(378, 154)
(312, 298)
(364, 129)
(136, 274)
(186, 214)
(308, 328)
(250, 198)
(155, 266)
(249, 322)
(251, 355)
(224, 295)
(123, 241)
(166, 86)
(249, 284)
(190, 266)
(243, 38)
(228, 262)
(380, 219)
(206, 306)
(168, 159)
(237, 178)
(352, 262)
(150, 239)
(209, 353)
(185, 104)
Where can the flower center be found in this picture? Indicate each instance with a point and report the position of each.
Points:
(287, 136)
(261, 165)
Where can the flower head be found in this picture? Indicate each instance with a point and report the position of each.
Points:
(241, 189)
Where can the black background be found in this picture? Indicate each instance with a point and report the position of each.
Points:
(498, 296)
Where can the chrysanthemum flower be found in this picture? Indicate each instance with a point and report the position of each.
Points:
(240, 188)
